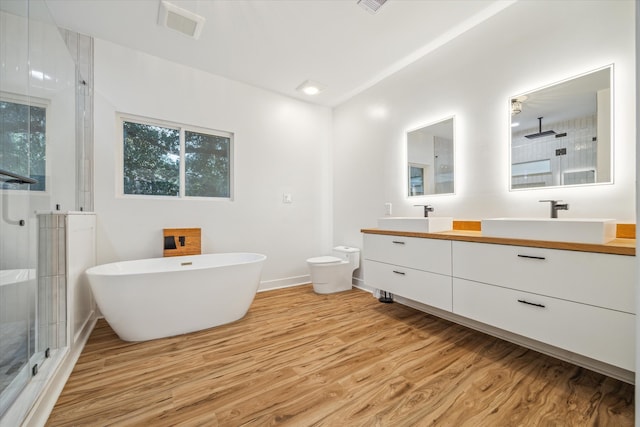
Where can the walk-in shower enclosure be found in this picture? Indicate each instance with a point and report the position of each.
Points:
(40, 154)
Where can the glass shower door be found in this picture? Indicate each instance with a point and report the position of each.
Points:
(17, 310)
(37, 143)
(18, 289)
(22, 345)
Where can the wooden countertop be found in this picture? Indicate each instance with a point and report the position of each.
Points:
(617, 246)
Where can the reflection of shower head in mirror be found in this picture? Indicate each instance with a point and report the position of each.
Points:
(540, 134)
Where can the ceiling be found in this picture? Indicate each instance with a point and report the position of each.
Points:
(278, 44)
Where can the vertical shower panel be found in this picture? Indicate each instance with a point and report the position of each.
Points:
(81, 49)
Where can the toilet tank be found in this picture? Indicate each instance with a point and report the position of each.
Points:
(348, 253)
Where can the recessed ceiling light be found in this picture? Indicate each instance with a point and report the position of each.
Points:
(310, 87)
(181, 20)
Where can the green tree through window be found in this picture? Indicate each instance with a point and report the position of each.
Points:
(23, 142)
(207, 165)
(152, 157)
(151, 160)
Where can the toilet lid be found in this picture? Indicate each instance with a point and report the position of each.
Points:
(324, 260)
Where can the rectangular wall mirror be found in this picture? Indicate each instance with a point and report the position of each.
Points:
(562, 134)
(430, 159)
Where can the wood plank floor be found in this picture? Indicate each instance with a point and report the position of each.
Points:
(301, 359)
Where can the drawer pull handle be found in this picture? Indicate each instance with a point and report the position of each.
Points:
(531, 303)
(398, 242)
(531, 256)
(399, 272)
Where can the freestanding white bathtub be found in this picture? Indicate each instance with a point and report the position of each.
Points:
(162, 297)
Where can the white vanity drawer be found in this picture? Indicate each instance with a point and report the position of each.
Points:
(413, 252)
(598, 333)
(603, 280)
(428, 288)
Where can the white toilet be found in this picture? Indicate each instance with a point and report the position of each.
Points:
(331, 274)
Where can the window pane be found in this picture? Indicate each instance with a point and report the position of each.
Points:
(22, 142)
(207, 165)
(151, 160)
(416, 180)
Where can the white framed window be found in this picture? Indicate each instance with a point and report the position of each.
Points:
(417, 179)
(23, 139)
(535, 167)
(165, 159)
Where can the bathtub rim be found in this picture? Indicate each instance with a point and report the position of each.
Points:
(116, 268)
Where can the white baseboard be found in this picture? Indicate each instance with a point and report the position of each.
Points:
(269, 285)
(359, 283)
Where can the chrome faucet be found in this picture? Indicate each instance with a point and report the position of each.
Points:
(555, 207)
(427, 209)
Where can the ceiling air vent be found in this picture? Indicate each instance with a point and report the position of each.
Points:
(371, 6)
(181, 20)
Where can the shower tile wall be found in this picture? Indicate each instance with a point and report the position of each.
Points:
(52, 282)
(81, 48)
(578, 166)
(443, 164)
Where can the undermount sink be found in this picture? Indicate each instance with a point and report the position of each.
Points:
(578, 230)
(416, 224)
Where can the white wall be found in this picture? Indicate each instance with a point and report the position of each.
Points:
(281, 146)
(527, 46)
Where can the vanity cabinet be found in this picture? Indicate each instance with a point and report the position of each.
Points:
(602, 280)
(575, 305)
(578, 301)
(415, 268)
